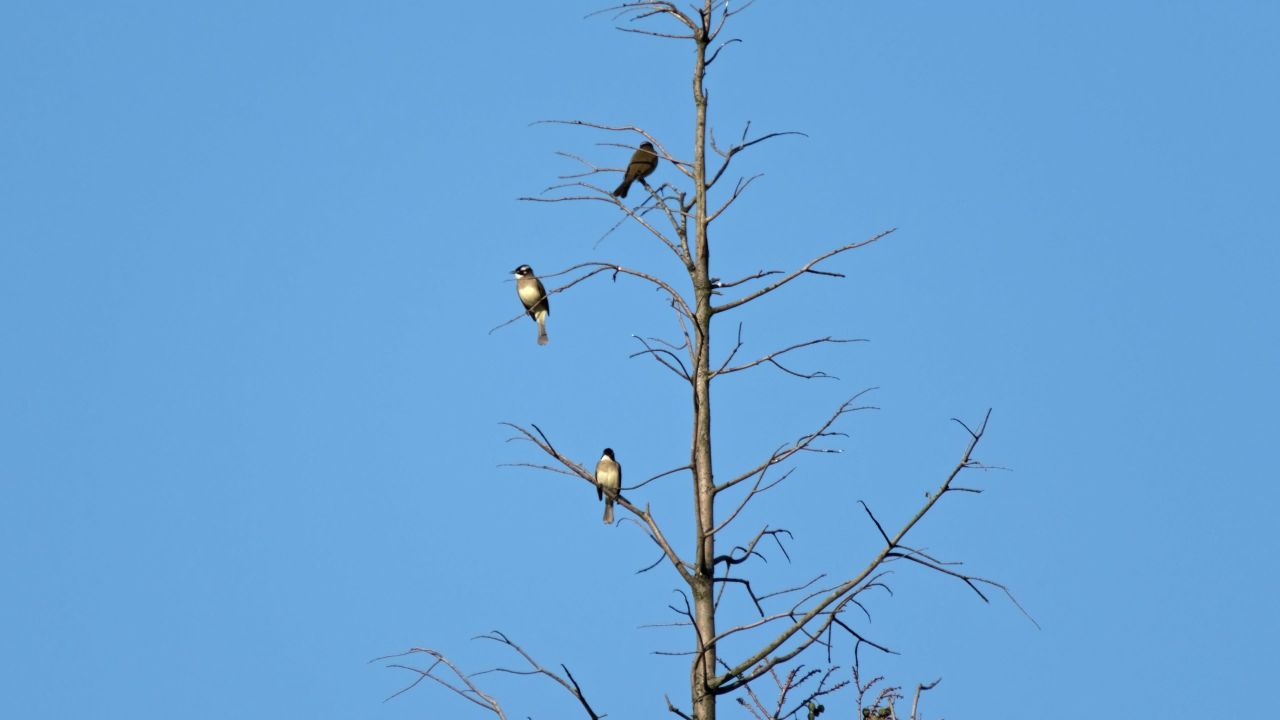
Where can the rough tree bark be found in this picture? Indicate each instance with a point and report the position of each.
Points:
(704, 665)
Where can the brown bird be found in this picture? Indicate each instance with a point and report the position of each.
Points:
(608, 482)
(534, 298)
(642, 165)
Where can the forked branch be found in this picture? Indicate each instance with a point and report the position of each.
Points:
(741, 145)
(915, 702)
(465, 689)
(738, 189)
(803, 444)
(665, 357)
(570, 685)
(749, 550)
(796, 678)
(772, 358)
(644, 9)
(808, 268)
(757, 488)
(464, 685)
(816, 620)
(679, 249)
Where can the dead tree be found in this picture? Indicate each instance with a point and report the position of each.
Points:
(787, 623)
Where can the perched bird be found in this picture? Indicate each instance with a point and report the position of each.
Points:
(608, 482)
(642, 165)
(534, 297)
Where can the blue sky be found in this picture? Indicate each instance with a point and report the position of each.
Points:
(250, 254)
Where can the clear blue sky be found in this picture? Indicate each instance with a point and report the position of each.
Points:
(250, 253)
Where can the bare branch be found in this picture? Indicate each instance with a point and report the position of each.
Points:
(742, 144)
(756, 489)
(716, 53)
(915, 703)
(749, 278)
(862, 639)
(750, 548)
(571, 685)
(971, 580)
(644, 208)
(577, 691)
(592, 168)
(730, 13)
(746, 584)
(536, 466)
(661, 355)
(687, 611)
(467, 690)
(759, 714)
(771, 358)
(645, 9)
(653, 33)
(797, 588)
(806, 269)
(820, 691)
(545, 445)
(737, 345)
(879, 527)
(761, 621)
(675, 710)
(803, 444)
(605, 196)
(738, 189)
(829, 607)
(652, 565)
(659, 475)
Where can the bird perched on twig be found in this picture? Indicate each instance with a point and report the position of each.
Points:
(608, 482)
(642, 165)
(534, 298)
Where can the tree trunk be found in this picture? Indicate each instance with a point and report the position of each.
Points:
(704, 666)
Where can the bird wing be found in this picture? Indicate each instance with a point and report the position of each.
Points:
(546, 302)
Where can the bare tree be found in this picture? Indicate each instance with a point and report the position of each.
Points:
(809, 618)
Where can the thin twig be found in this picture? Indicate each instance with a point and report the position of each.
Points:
(915, 703)
(803, 444)
(807, 268)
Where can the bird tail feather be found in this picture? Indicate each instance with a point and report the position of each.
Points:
(542, 328)
(608, 512)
